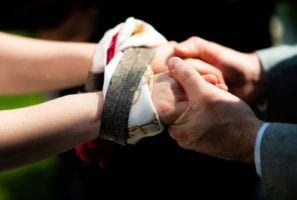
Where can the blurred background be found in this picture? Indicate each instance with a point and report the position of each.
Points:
(245, 25)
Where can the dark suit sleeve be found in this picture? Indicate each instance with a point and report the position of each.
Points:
(278, 150)
(279, 161)
(280, 65)
(272, 57)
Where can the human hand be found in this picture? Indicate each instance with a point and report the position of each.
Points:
(242, 71)
(166, 51)
(215, 122)
(169, 98)
(162, 54)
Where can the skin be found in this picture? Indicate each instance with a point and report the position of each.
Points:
(242, 71)
(32, 65)
(215, 122)
(36, 132)
(166, 51)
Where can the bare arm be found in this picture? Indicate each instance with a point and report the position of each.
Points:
(36, 132)
(30, 65)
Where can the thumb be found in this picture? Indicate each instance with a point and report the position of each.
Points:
(187, 77)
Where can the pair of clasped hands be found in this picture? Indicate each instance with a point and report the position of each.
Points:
(191, 96)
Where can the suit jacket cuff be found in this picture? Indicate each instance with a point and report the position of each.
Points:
(258, 149)
(270, 57)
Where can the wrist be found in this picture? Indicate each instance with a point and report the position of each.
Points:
(249, 138)
(255, 86)
(89, 108)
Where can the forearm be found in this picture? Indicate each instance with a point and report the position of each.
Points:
(30, 65)
(36, 132)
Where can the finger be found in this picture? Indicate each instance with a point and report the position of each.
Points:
(223, 86)
(211, 79)
(196, 47)
(205, 68)
(189, 48)
(187, 77)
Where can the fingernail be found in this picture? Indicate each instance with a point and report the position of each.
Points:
(173, 62)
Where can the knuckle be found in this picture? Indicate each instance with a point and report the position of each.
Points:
(182, 145)
(175, 134)
(172, 43)
(186, 74)
(185, 145)
(196, 40)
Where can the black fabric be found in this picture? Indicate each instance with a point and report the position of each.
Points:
(158, 166)
(36, 14)
(278, 161)
(94, 82)
(240, 24)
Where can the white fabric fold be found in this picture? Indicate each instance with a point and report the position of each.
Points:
(143, 118)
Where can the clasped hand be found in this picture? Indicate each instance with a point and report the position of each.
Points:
(194, 101)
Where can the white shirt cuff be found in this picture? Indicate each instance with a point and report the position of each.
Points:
(257, 148)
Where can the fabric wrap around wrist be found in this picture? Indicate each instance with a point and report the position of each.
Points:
(120, 93)
(94, 82)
